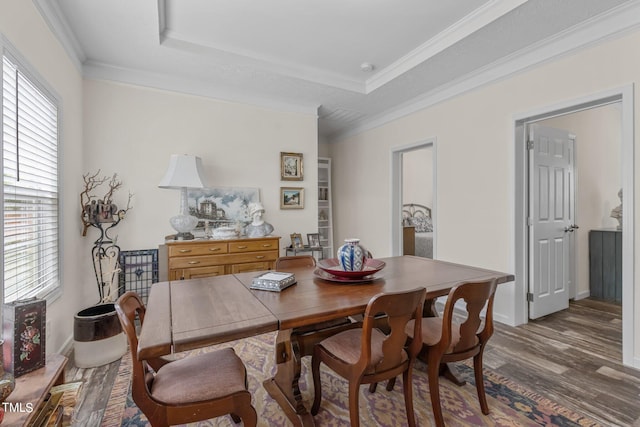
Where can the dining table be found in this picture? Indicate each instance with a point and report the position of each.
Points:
(187, 314)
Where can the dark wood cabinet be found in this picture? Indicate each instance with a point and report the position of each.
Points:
(605, 265)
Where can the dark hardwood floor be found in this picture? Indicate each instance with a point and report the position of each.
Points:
(572, 357)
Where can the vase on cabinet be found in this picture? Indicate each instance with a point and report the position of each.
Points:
(351, 255)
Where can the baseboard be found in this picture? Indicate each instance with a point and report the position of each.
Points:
(501, 318)
(582, 295)
(67, 346)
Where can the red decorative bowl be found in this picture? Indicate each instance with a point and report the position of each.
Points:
(332, 266)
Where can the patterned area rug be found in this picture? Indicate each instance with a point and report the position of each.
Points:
(510, 403)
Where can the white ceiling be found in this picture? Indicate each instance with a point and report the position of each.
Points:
(306, 55)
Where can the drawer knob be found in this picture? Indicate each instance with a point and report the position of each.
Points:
(259, 256)
(185, 251)
(194, 262)
(242, 247)
(214, 249)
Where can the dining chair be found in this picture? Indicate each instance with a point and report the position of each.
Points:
(367, 355)
(193, 388)
(295, 261)
(446, 340)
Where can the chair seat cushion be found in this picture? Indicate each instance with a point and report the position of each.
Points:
(432, 331)
(345, 346)
(198, 378)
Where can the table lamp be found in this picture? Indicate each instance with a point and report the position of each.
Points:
(184, 171)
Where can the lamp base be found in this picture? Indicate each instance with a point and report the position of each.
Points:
(183, 224)
(184, 236)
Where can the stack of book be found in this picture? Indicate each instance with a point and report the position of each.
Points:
(273, 281)
(57, 408)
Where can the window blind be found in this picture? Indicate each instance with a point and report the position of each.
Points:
(30, 186)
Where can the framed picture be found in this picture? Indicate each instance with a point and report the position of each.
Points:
(296, 240)
(291, 166)
(314, 240)
(291, 197)
(221, 206)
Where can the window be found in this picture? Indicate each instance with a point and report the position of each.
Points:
(30, 186)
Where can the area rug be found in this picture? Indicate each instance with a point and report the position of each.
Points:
(511, 404)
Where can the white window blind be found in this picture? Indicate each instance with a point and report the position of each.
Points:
(30, 187)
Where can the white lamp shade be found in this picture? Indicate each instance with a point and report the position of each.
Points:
(184, 171)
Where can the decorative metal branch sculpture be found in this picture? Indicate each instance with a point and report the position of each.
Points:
(103, 214)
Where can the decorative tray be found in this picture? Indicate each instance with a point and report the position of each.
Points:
(332, 266)
(273, 281)
(322, 274)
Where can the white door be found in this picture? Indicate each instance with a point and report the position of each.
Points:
(551, 219)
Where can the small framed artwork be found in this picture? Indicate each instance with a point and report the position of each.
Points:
(291, 198)
(314, 240)
(291, 166)
(296, 240)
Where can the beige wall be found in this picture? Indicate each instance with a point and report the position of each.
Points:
(22, 25)
(475, 157)
(133, 131)
(417, 179)
(598, 176)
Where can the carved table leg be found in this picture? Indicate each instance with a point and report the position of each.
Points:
(283, 387)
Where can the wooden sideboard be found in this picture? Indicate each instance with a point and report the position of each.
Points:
(191, 259)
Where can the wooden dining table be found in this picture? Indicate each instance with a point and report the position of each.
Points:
(188, 314)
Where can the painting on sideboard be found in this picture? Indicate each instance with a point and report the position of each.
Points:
(222, 206)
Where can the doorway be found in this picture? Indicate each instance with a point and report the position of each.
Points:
(406, 185)
(623, 98)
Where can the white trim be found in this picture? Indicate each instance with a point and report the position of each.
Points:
(396, 191)
(583, 295)
(55, 19)
(625, 95)
(99, 71)
(615, 23)
(471, 23)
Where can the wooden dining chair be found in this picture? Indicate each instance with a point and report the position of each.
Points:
(193, 388)
(367, 355)
(445, 340)
(295, 261)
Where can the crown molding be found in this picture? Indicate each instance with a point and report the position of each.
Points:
(175, 40)
(610, 25)
(53, 16)
(166, 82)
(480, 17)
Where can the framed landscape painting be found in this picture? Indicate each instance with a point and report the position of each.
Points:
(291, 167)
(291, 198)
(221, 206)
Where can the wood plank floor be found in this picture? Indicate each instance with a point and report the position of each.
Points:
(573, 357)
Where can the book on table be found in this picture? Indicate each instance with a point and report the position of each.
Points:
(273, 281)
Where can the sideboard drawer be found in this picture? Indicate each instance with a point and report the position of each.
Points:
(198, 249)
(247, 246)
(195, 261)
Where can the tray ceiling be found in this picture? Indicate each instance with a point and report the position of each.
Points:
(355, 62)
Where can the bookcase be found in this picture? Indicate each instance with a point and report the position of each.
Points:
(325, 215)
